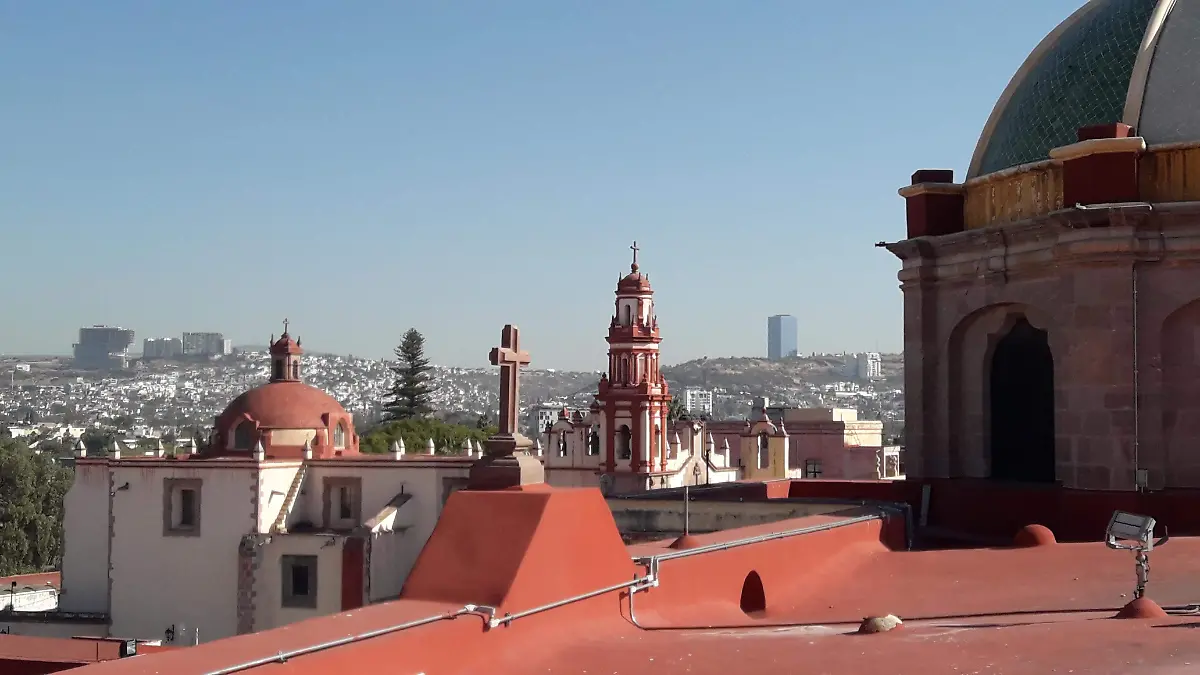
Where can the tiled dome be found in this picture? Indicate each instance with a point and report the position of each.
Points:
(1103, 65)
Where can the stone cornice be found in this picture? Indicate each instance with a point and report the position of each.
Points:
(931, 189)
(1098, 146)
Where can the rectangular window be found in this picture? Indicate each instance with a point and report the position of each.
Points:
(181, 507)
(342, 507)
(812, 468)
(187, 507)
(299, 576)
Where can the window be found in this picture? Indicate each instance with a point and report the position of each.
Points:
(812, 468)
(628, 321)
(562, 444)
(295, 370)
(339, 436)
(299, 576)
(624, 448)
(342, 505)
(243, 435)
(277, 369)
(594, 442)
(181, 507)
(764, 450)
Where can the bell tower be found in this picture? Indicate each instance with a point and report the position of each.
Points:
(633, 396)
(285, 357)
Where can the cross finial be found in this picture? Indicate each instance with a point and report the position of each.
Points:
(285, 326)
(510, 358)
(635, 250)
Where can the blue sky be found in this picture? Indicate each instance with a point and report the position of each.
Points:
(365, 167)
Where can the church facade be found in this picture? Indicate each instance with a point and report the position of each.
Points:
(277, 518)
(1052, 298)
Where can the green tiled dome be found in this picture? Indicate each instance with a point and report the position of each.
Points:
(1081, 79)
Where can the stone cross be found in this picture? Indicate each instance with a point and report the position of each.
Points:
(635, 250)
(510, 358)
(285, 325)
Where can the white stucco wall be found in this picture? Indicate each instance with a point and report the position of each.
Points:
(85, 550)
(274, 481)
(193, 580)
(269, 611)
(392, 556)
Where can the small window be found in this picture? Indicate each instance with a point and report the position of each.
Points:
(764, 450)
(812, 468)
(594, 442)
(295, 370)
(628, 316)
(562, 444)
(342, 503)
(339, 436)
(299, 576)
(277, 369)
(181, 507)
(243, 435)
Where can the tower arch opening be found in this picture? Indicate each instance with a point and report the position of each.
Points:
(1020, 408)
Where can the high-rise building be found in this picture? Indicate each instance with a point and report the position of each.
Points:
(205, 344)
(102, 347)
(161, 348)
(698, 401)
(781, 336)
(867, 366)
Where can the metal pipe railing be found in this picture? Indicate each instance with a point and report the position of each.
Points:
(282, 656)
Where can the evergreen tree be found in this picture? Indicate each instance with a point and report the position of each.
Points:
(411, 392)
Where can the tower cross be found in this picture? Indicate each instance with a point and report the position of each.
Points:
(285, 325)
(635, 250)
(510, 358)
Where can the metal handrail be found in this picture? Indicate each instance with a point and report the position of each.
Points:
(282, 657)
(722, 546)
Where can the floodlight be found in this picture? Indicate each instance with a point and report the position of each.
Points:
(1133, 532)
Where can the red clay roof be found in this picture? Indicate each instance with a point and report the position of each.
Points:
(552, 563)
(36, 580)
(282, 405)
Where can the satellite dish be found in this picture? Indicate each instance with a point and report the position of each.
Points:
(606, 482)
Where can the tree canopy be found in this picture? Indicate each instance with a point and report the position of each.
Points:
(412, 392)
(447, 438)
(32, 488)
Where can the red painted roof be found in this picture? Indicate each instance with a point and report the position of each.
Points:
(283, 405)
(552, 564)
(37, 580)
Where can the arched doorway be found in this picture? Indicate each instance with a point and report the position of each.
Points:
(1022, 406)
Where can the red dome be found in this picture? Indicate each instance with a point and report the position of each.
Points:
(283, 405)
(634, 282)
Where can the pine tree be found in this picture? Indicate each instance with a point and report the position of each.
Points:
(411, 393)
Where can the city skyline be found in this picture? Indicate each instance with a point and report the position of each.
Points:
(365, 171)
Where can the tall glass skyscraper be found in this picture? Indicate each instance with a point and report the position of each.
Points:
(781, 336)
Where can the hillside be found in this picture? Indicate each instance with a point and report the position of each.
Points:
(755, 375)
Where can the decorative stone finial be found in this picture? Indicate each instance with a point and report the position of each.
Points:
(429, 447)
(676, 442)
(260, 453)
(467, 449)
(725, 449)
(710, 444)
(115, 452)
(537, 447)
(398, 448)
(159, 450)
(308, 450)
(80, 448)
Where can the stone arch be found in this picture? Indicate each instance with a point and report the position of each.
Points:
(969, 354)
(1020, 408)
(624, 442)
(764, 450)
(1180, 351)
(754, 596)
(340, 436)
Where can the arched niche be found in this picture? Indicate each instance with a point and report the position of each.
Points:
(1180, 350)
(969, 359)
(753, 600)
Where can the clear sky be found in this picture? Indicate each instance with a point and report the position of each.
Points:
(366, 167)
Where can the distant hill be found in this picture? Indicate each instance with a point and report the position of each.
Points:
(754, 374)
